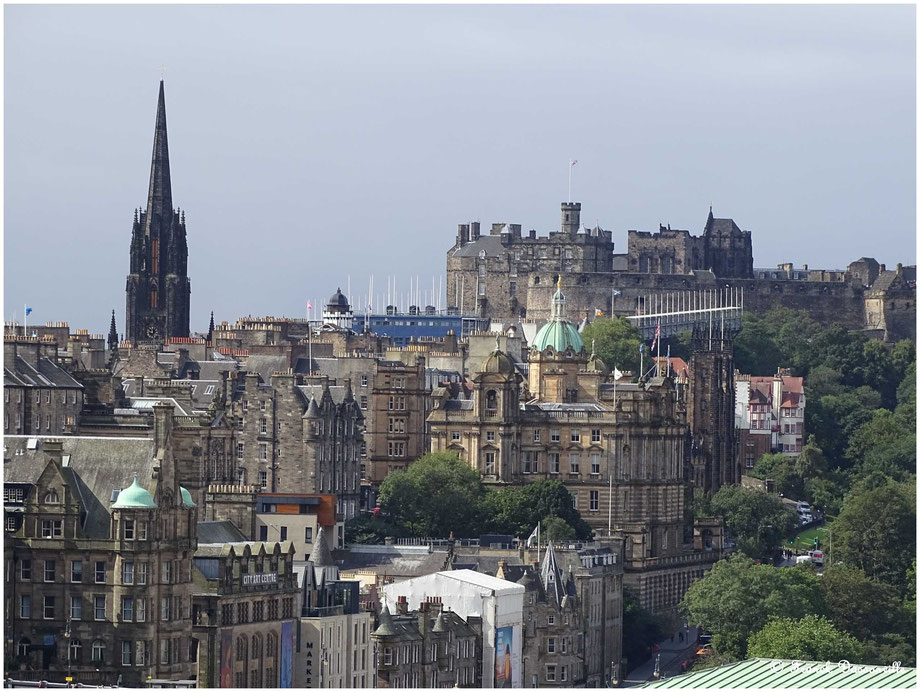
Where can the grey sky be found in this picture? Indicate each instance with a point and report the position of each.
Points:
(312, 142)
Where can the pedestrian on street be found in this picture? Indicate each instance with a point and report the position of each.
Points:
(672, 638)
(681, 634)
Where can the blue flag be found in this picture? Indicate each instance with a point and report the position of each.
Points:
(28, 311)
(641, 348)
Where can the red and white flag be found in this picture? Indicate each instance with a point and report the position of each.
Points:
(657, 334)
(573, 162)
(309, 305)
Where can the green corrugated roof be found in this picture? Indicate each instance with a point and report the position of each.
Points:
(776, 673)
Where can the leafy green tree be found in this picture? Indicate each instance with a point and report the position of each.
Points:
(876, 531)
(826, 493)
(616, 342)
(810, 462)
(903, 355)
(884, 443)
(907, 395)
(645, 630)
(438, 494)
(517, 509)
(702, 503)
(779, 468)
(758, 520)
(811, 638)
(754, 350)
(887, 648)
(834, 418)
(367, 529)
(737, 597)
(823, 380)
(556, 529)
(861, 606)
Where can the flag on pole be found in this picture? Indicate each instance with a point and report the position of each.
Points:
(534, 535)
(309, 305)
(28, 311)
(669, 360)
(617, 374)
(657, 334)
(573, 162)
(616, 292)
(598, 312)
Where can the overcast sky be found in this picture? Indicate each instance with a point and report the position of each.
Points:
(310, 143)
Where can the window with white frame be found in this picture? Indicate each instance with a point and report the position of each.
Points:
(595, 463)
(574, 458)
(554, 462)
(595, 435)
(576, 435)
(593, 506)
(489, 465)
(554, 436)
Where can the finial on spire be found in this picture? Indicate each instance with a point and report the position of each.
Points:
(559, 282)
(162, 73)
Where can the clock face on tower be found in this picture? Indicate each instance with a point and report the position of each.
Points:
(151, 330)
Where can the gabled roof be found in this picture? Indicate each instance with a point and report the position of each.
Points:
(47, 374)
(219, 532)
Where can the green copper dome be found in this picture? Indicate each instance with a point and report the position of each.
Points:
(557, 332)
(187, 500)
(134, 497)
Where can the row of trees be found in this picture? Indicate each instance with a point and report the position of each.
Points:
(439, 495)
(757, 610)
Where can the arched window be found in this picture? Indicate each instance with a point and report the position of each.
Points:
(270, 645)
(491, 402)
(23, 649)
(241, 648)
(256, 646)
(98, 649)
(52, 498)
(76, 650)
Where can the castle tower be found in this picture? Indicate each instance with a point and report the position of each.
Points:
(158, 288)
(571, 217)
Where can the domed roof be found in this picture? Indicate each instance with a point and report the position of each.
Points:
(338, 300)
(560, 335)
(134, 497)
(187, 500)
(497, 362)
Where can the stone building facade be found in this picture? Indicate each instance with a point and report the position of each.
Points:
(428, 647)
(509, 275)
(99, 567)
(158, 288)
(39, 397)
(244, 614)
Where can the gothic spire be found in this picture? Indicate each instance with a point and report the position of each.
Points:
(113, 334)
(211, 327)
(159, 196)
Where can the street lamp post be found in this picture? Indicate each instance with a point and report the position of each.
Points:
(67, 634)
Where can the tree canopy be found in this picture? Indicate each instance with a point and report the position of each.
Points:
(811, 638)
(758, 520)
(616, 342)
(737, 597)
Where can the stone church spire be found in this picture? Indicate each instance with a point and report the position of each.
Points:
(159, 195)
(113, 334)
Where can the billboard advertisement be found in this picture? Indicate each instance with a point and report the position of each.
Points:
(226, 658)
(504, 648)
(287, 654)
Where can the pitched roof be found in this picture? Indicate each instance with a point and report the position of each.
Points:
(219, 532)
(770, 673)
(47, 374)
(321, 556)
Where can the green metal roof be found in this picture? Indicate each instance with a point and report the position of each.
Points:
(134, 497)
(772, 673)
(560, 335)
(187, 500)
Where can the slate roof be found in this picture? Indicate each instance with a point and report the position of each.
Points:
(395, 562)
(492, 244)
(767, 673)
(316, 391)
(47, 374)
(266, 365)
(219, 532)
(101, 465)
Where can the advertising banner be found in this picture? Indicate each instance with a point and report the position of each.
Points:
(226, 658)
(287, 654)
(504, 646)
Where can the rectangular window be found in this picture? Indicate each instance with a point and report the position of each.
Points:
(49, 570)
(141, 572)
(167, 572)
(554, 462)
(263, 426)
(49, 608)
(308, 534)
(563, 673)
(455, 435)
(554, 436)
(129, 529)
(594, 501)
(576, 435)
(25, 607)
(164, 609)
(143, 653)
(595, 463)
(263, 480)
(140, 610)
(573, 462)
(551, 673)
(364, 403)
(127, 609)
(99, 607)
(530, 462)
(263, 451)
(76, 607)
(595, 435)
(126, 649)
(52, 528)
(127, 572)
(239, 450)
(142, 530)
(284, 533)
(536, 435)
(363, 380)
(490, 436)
(25, 570)
(489, 467)
(100, 572)
(387, 656)
(551, 645)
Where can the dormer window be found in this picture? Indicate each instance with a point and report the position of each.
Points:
(52, 498)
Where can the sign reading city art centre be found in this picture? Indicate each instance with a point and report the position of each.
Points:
(267, 578)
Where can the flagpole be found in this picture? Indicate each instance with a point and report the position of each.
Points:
(610, 498)
(25, 320)
(658, 359)
(538, 542)
(570, 181)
